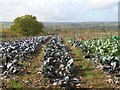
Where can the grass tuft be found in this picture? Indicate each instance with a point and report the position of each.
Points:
(15, 84)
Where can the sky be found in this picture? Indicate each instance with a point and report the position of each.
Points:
(60, 10)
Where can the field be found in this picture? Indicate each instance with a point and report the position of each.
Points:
(91, 76)
(88, 72)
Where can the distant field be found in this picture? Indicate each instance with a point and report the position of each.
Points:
(69, 29)
(88, 33)
(73, 24)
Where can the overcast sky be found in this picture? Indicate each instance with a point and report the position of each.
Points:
(60, 10)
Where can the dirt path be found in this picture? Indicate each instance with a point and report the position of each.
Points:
(91, 76)
(35, 79)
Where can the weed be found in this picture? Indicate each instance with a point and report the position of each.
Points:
(15, 84)
(88, 75)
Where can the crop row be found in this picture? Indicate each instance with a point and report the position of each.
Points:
(105, 51)
(14, 52)
(58, 64)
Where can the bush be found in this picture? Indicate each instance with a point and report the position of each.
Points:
(27, 26)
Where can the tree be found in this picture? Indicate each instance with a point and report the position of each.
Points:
(27, 25)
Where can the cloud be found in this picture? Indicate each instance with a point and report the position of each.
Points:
(98, 4)
(59, 10)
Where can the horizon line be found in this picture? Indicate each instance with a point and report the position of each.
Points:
(68, 21)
